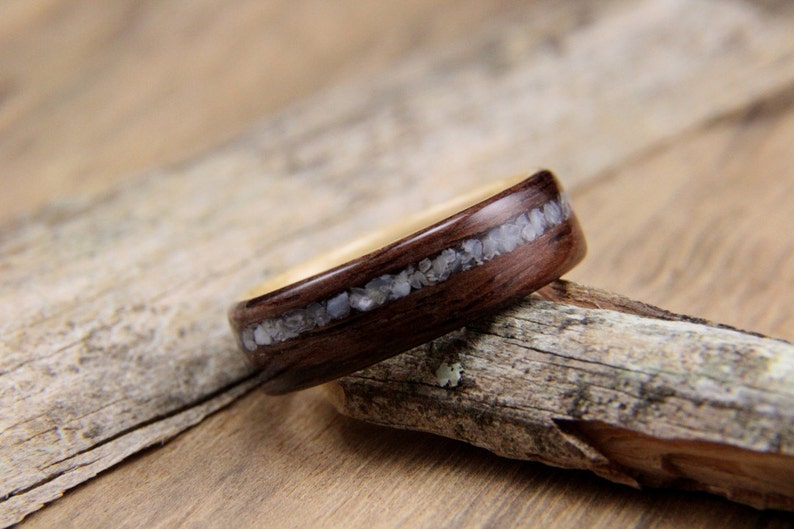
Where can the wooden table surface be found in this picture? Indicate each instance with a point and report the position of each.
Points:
(698, 221)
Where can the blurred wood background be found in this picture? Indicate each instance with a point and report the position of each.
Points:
(123, 235)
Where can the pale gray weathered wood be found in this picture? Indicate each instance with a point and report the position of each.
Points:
(636, 394)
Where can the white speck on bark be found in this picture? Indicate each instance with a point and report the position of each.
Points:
(447, 374)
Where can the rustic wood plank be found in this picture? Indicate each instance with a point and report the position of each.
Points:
(80, 466)
(640, 397)
(87, 90)
(138, 282)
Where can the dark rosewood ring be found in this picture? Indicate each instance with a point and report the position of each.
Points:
(466, 266)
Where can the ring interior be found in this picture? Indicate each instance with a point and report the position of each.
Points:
(383, 236)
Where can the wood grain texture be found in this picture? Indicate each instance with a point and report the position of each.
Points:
(637, 399)
(90, 93)
(686, 138)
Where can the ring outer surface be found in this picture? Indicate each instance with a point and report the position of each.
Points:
(364, 338)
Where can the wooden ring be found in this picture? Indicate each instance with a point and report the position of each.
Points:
(464, 267)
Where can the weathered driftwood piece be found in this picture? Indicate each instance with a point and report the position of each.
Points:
(636, 394)
(113, 309)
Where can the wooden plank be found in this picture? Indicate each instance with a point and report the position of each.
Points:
(137, 283)
(88, 89)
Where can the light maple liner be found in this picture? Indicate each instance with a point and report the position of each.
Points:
(374, 299)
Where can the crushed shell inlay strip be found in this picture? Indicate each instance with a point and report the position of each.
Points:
(466, 255)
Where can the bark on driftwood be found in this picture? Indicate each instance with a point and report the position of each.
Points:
(588, 379)
(113, 309)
